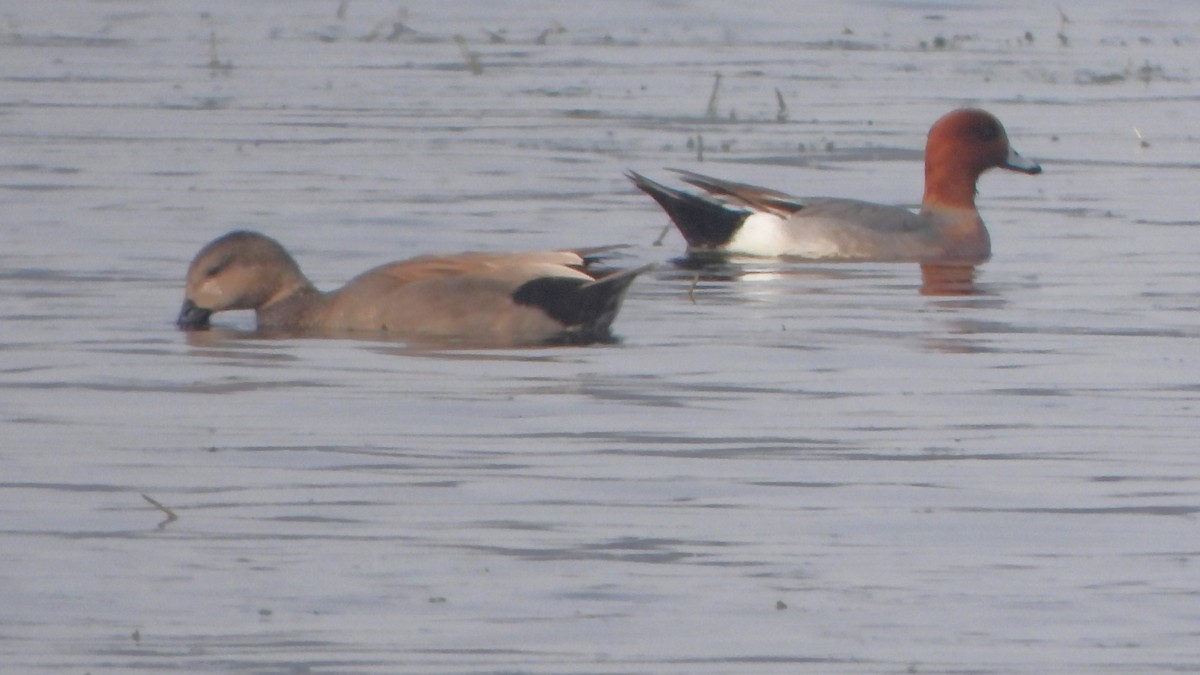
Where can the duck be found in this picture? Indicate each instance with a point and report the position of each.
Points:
(476, 299)
(741, 219)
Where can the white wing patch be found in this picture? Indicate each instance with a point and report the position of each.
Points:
(761, 234)
(766, 234)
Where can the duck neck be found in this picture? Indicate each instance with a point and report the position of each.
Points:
(949, 185)
(289, 307)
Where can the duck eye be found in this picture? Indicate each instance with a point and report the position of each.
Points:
(215, 269)
(987, 132)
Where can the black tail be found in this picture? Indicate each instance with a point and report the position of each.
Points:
(704, 223)
(585, 308)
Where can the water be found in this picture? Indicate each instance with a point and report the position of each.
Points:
(782, 468)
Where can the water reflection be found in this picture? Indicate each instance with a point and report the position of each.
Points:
(222, 341)
(718, 267)
(947, 279)
(936, 279)
(948, 475)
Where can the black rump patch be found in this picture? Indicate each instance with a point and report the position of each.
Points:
(703, 222)
(559, 297)
(584, 307)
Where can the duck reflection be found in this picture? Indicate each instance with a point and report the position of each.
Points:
(948, 280)
(936, 279)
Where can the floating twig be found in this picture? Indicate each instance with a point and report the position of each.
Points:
(692, 289)
(1063, 20)
(555, 28)
(213, 61)
(1141, 139)
(171, 517)
(391, 30)
(215, 65)
(469, 56)
(662, 235)
(781, 115)
(399, 30)
(711, 111)
(341, 10)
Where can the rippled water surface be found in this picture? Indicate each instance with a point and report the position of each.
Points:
(782, 467)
